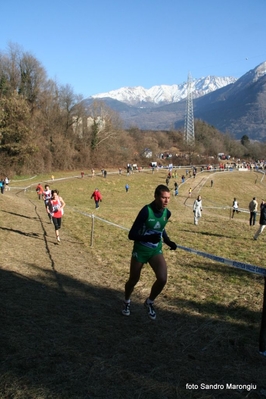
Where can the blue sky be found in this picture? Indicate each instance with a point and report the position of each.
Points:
(100, 45)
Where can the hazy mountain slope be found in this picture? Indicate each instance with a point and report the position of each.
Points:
(238, 108)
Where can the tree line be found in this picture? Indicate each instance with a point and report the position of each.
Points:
(45, 126)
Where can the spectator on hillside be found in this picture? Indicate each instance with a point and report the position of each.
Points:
(2, 186)
(235, 207)
(262, 219)
(176, 188)
(253, 208)
(7, 183)
(97, 197)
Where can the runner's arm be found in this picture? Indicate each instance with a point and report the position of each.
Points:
(63, 204)
(166, 238)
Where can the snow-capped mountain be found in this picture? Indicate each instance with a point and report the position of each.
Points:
(231, 105)
(256, 73)
(166, 94)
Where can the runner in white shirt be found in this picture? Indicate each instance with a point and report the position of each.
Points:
(47, 195)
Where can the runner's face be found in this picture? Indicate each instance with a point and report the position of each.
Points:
(162, 200)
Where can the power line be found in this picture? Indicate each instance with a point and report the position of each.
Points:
(189, 135)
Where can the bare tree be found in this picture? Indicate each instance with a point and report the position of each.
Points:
(32, 79)
(9, 70)
(71, 107)
(105, 124)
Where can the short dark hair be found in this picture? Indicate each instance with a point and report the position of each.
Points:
(159, 189)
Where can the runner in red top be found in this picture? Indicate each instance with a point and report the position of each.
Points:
(55, 208)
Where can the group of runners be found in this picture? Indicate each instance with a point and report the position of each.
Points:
(54, 205)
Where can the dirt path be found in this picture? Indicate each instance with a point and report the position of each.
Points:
(28, 241)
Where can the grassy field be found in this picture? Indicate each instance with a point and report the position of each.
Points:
(81, 347)
(217, 233)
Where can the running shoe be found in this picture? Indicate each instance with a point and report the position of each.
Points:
(151, 311)
(58, 238)
(126, 309)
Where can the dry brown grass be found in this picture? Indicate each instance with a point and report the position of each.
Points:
(62, 334)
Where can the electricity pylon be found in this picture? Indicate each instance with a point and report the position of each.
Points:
(189, 135)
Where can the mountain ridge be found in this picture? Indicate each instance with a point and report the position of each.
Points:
(237, 108)
(165, 94)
